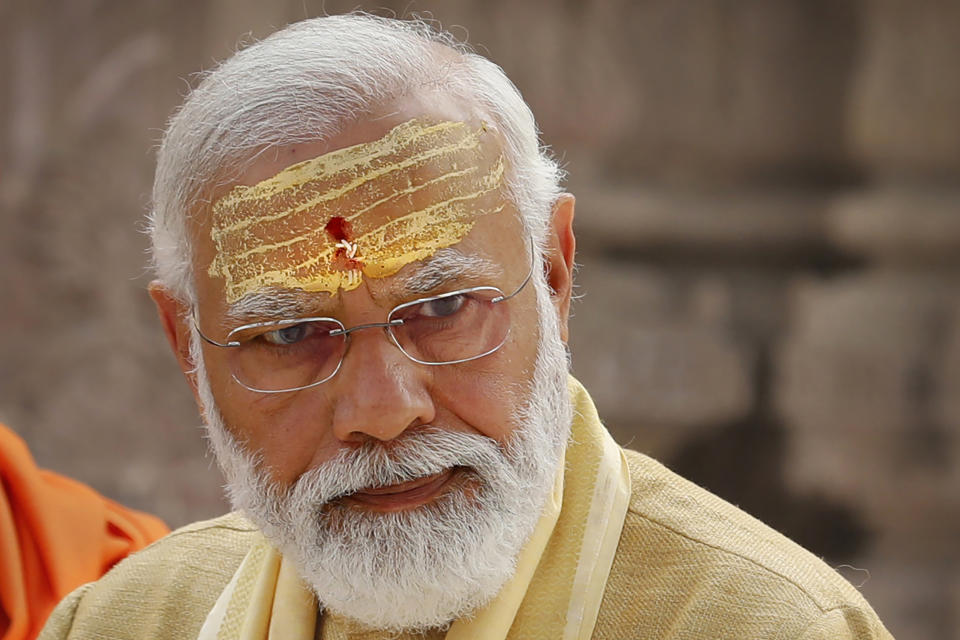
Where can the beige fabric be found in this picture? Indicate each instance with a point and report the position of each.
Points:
(688, 566)
(265, 598)
(563, 597)
(563, 567)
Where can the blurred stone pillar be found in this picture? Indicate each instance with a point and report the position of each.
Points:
(726, 93)
(869, 366)
(906, 92)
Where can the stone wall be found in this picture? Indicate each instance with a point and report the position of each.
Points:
(769, 228)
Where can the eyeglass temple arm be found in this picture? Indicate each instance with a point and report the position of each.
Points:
(200, 332)
(533, 264)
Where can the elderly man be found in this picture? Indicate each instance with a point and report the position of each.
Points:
(364, 265)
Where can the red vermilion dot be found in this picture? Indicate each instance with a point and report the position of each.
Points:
(338, 228)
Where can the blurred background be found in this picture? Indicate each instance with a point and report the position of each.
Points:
(769, 227)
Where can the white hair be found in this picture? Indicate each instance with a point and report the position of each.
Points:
(308, 82)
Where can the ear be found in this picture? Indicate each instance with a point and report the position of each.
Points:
(561, 247)
(174, 316)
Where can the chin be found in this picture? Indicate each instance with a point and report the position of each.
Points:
(418, 567)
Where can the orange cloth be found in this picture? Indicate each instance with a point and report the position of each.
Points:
(55, 534)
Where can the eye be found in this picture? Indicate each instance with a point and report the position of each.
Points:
(443, 307)
(287, 335)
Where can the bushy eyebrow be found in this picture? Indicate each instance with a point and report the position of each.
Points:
(445, 266)
(270, 303)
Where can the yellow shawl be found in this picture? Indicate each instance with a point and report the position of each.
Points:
(554, 593)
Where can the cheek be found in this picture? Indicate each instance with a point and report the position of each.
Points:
(285, 430)
(481, 402)
(485, 394)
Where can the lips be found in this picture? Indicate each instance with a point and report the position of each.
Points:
(406, 495)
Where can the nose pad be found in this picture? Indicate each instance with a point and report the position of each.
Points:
(380, 392)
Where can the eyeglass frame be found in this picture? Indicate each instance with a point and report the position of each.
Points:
(386, 326)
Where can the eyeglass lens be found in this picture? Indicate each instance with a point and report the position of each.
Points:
(286, 355)
(444, 329)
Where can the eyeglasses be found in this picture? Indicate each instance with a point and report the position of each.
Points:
(278, 356)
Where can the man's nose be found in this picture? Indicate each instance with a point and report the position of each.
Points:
(380, 393)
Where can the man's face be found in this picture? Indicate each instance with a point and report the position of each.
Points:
(391, 473)
(378, 393)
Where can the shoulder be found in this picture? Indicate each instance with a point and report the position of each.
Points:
(165, 590)
(691, 565)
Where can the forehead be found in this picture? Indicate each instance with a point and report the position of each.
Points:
(386, 193)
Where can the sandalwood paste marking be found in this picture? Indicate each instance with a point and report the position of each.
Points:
(321, 224)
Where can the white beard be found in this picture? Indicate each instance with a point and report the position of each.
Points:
(425, 567)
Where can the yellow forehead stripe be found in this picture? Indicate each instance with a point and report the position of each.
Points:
(320, 225)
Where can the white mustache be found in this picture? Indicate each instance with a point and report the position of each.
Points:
(372, 465)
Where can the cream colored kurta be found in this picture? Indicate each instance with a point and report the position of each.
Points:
(688, 566)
